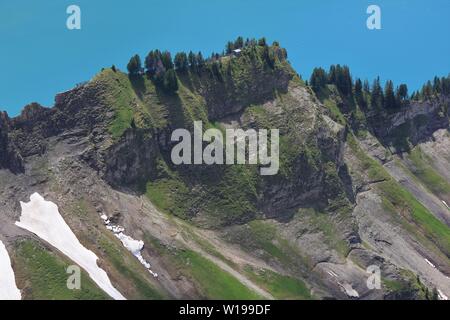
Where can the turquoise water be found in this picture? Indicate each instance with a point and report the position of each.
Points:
(39, 56)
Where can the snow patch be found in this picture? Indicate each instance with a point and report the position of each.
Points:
(132, 245)
(431, 264)
(8, 287)
(445, 204)
(43, 219)
(352, 293)
(441, 295)
(331, 273)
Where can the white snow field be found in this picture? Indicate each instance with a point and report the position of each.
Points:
(8, 287)
(42, 218)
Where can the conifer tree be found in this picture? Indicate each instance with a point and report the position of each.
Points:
(200, 62)
(134, 65)
(377, 98)
(332, 75)
(366, 86)
(229, 47)
(153, 63)
(437, 85)
(402, 91)
(166, 60)
(318, 79)
(170, 81)
(427, 90)
(181, 61)
(239, 43)
(389, 95)
(262, 42)
(359, 94)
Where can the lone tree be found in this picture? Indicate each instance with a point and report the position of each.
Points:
(134, 66)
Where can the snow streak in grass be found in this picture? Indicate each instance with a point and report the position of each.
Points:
(132, 245)
(43, 219)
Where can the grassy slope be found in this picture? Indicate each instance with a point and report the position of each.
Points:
(47, 269)
(413, 215)
(280, 286)
(130, 269)
(422, 169)
(221, 194)
(172, 192)
(407, 288)
(325, 224)
(119, 263)
(210, 280)
(46, 276)
(261, 237)
(43, 274)
(124, 270)
(214, 283)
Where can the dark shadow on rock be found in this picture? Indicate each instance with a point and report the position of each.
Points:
(174, 106)
(346, 179)
(138, 84)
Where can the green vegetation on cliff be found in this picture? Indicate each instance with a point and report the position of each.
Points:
(412, 214)
(426, 174)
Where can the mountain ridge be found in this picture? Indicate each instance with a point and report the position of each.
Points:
(333, 209)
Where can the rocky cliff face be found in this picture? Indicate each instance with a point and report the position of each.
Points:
(339, 204)
(10, 158)
(415, 122)
(132, 161)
